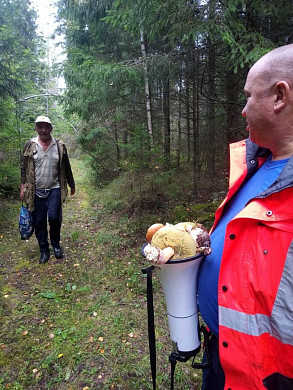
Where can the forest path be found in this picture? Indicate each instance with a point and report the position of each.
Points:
(79, 322)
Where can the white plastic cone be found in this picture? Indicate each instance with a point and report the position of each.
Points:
(179, 282)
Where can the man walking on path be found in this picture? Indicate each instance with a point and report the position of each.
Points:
(45, 173)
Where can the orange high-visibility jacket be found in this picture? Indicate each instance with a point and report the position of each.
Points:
(255, 288)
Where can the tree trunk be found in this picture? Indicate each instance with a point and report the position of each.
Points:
(167, 125)
(116, 143)
(188, 114)
(125, 142)
(232, 108)
(195, 129)
(147, 91)
(211, 113)
(178, 156)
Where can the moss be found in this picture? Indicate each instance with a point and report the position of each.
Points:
(203, 213)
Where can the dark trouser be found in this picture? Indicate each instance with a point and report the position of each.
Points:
(48, 208)
(213, 377)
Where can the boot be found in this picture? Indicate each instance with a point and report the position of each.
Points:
(44, 257)
(58, 252)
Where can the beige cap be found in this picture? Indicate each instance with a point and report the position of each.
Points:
(43, 118)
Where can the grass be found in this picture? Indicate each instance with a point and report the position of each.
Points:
(81, 322)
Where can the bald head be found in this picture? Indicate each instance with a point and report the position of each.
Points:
(276, 65)
(269, 107)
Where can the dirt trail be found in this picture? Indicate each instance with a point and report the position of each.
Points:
(32, 295)
(79, 322)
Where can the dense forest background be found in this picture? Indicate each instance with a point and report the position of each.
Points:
(153, 97)
(153, 88)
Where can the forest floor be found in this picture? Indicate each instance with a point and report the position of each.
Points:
(81, 322)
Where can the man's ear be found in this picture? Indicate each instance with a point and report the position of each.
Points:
(281, 93)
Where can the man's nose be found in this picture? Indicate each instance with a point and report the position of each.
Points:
(243, 113)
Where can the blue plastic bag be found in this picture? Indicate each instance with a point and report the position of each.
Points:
(26, 226)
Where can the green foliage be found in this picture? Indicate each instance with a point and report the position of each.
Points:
(194, 63)
(20, 74)
(203, 213)
(101, 87)
(18, 47)
(9, 178)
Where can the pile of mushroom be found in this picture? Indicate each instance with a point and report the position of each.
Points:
(174, 242)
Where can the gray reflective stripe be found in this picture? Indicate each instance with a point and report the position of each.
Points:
(280, 323)
(282, 313)
(250, 324)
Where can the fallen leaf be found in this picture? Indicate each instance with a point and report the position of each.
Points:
(60, 355)
(49, 295)
(101, 338)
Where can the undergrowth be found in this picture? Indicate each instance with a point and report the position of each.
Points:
(81, 322)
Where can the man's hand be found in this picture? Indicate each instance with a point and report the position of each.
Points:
(72, 191)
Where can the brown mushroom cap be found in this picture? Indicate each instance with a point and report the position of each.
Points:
(181, 241)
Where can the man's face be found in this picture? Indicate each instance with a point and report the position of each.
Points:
(43, 128)
(258, 108)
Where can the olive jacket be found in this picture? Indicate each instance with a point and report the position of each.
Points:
(28, 172)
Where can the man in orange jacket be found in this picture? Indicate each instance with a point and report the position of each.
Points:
(245, 286)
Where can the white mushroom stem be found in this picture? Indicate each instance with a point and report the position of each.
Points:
(157, 255)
